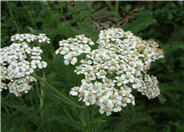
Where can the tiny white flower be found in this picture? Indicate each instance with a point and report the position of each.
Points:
(74, 60)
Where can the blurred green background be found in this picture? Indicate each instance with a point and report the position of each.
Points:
(40, 111)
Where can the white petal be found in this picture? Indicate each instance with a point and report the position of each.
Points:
(66, 62)
(74, 60)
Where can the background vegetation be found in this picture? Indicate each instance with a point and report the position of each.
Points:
(40, 111)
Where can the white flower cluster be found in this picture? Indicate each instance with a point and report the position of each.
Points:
(73, 47)
(112, 71)
(18, 61)
(41, 38)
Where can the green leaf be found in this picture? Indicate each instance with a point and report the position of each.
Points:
(141, 23)
(128, 7)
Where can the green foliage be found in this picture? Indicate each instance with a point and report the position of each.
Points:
(40, 110)
(144, 22)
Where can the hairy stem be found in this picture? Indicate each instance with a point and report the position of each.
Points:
(61, 95)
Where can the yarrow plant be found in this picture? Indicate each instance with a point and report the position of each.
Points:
(118, 66)
(111, 72)
(19, 60)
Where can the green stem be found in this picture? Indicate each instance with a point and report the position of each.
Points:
(117, 8)
(5, 97)
(82, 117)
(5, 107)
(37, 90)
(53, 89)
(31, 100)
(109, 5)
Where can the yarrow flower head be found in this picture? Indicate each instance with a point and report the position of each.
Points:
(19, 60)
(73, 47)
(118, 66)
(41, 38)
